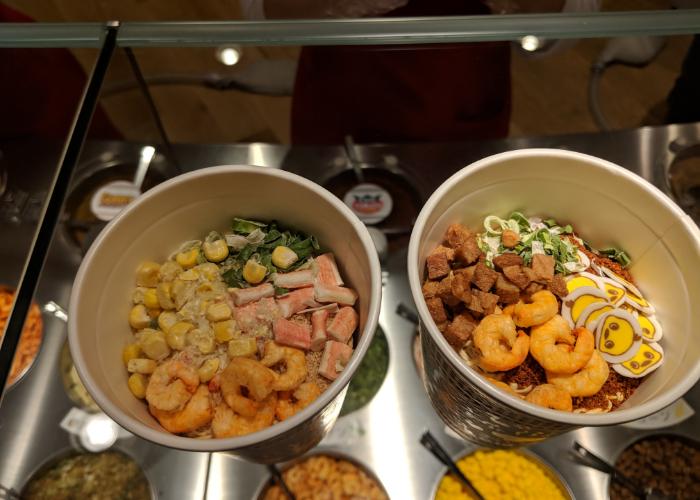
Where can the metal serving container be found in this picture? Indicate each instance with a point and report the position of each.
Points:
(320, 451)
(71, 452)
(546, 467)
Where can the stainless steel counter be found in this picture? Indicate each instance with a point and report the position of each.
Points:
(384, 434)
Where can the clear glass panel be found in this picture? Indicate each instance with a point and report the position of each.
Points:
(40, 90)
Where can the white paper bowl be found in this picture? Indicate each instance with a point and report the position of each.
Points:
(608, 206)
(186, 208)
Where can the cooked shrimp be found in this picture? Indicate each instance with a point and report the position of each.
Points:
(543, 305)
(196, 413)
(289, 405)
(559, 349)
(294, 362)
(171, 385)
(501, 347)
(585, 382)
(550, 396)
(228, 423)
(251, 374)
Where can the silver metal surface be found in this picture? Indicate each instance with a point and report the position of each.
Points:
(384, 434)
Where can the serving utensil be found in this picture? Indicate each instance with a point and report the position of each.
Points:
(275, 472)
(429, 441)
(592, 460)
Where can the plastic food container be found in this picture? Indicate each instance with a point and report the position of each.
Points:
(329, 452)
(549, 471)
(608, 206)
(155, 225)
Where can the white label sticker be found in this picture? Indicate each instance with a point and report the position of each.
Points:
(371, 203)
(111, 199)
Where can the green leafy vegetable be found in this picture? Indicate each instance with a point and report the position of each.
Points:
(619, 256)
(243, 226)
(269, 236)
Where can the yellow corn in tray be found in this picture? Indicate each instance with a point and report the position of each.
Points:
(500, 474)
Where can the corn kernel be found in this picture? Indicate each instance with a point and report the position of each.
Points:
(215, 251)
(202, 340)
(131, 351)
(208, 370)
(208, 271)
(177, 335)
(150, 299)
(153, 343)
(166, 320)
(218, 312)
(242, 347)
(189, 275)
(137, 384)
(165, 300)
(225, 330)
(188, 258)
(147, 274)
(141, 365)
(254, 272)
(138, 317)
(154, 313)
(283, 257)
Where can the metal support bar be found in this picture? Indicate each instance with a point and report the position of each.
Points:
(52, 209)
(145, 91)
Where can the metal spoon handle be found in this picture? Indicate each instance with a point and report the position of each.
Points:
(439, 452)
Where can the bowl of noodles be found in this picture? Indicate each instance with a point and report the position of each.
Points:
(554, 291)
(227, 310)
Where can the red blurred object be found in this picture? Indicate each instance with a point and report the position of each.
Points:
(40, 90)
(441, 92)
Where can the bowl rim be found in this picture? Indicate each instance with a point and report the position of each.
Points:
(577, 419)
(162, 437)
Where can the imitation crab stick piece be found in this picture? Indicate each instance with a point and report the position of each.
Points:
(343, 324)
(292, 334)
(243, 296)
(296, 301)
(295, 279)
(335, 356)
(332, 293)
(318, 329)
(327, 271)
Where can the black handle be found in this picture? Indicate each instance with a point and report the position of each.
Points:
(280, 481)
(439, 452)
(598, 463)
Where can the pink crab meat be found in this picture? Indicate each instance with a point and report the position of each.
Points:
(246, 317)
(242, 296)
(318, 329)
(327, 270)
(255, 314)
(295, 279)
(335, 356)
(332, 293)
(292, 334)
(343, 324)
(267, 309)
(296, 301)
